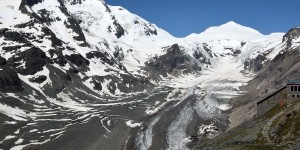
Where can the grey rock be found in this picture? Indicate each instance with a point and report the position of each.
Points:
(9, 81)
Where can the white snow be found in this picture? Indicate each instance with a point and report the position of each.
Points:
(14, 113)
(10, 122)
(103, 125)
(10, 14)
(207, 129)
(221, 81)
(136, 45)
(230, 31)
(33, 130)
(296, 42)
(52, 130)
(226, 68)
(68, 102)
(119, 103)
(224, 107)
(19, 141)
(259, 46)
(17, 132)
(275, 51)
(9, 137)
(19, 147)
(131, 124)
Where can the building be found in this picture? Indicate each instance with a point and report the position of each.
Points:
(293, 87)
(286, 94)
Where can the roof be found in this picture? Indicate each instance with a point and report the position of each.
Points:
(270, 95)
(293, 82)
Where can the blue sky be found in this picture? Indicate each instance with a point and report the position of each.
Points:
(183, 17)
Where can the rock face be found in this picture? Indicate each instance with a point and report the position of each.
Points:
(14, 36)
(119, 31)
(34, 58)
(78, 60)
(2, 61)
(30, 3)
(256, 64)
(174, 62)
(290, 35)
(9, 81)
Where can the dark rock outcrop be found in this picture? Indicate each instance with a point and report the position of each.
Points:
(2, 61)
(119, 54)
(29, 3)
(74, 2)
(14, 36)
(34, 59)
(39, 79)
(256, 64)
(2, 31)
(119, 29)
(26, 24)
(116, 28)
(10, 81)
(12, 48)
(78, 60)
(72, 24)
(208, 50)
(201, 57)
(150, 29)
(55, 41)
(290, 35)
(124, 82)
(103, 56)
(173, 62)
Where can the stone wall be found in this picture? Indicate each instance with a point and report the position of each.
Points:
(271, 100)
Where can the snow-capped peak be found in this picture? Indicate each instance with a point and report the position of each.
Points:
(231, 24)
(230, 30)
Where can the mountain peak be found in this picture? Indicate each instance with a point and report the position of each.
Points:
(229, 30)
(231, 23)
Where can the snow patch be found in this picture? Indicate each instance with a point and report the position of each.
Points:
(132, 125)
(14, 113)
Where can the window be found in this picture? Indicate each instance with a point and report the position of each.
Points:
(293, 95)
(298, 96)
(296, 88)
(292, 88)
